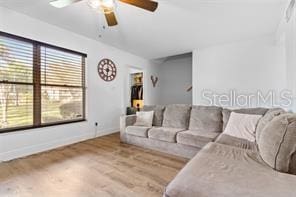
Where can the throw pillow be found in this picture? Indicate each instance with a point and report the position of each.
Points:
(256, 111)
(144, 119)
(242, 126)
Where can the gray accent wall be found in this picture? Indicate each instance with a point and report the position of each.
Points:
(174, 77)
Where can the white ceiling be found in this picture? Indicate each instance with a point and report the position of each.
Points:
(178, 26)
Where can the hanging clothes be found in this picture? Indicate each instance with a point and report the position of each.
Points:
(140, 92)
(136, 93)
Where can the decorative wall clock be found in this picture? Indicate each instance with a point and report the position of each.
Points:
(107, 70)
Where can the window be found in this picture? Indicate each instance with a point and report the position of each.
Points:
(40, 84)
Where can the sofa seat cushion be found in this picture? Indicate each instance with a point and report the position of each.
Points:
(236, 142)
(221, 170)
(164, 133)
(139, 131)
(196, 138)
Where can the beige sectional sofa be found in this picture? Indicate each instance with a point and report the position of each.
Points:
(179, 129)
(221, 165)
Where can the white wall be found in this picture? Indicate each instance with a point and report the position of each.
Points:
(246, 67)
(105, 101)
(261, 64)
(174, 78)
(286, 34)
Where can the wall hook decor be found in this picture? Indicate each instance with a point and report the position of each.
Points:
(290, 10)
(189, 88)
(154, 80)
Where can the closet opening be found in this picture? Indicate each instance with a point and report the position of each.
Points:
(136, 91)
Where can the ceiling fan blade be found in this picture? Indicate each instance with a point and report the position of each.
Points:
(144, 4)
(111, 18)
(63, 3)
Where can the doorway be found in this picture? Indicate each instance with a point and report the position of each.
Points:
(136, 90)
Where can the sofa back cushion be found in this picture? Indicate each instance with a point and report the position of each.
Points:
(255, 111)
(176, 116)
(292, 169)
(158, 113)
(206, 118)
(269, 115)
(277, 143)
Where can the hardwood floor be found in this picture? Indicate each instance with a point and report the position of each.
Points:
(99, 167)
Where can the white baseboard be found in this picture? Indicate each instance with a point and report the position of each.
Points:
(107, 132)
(33, 149)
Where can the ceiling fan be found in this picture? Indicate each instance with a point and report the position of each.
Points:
(108, 6)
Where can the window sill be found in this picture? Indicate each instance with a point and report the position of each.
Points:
(15, 129)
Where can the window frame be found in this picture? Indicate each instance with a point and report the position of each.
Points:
(36, 83)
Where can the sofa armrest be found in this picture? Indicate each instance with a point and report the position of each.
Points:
(126, 121)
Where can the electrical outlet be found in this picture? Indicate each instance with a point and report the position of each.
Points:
(96, 124)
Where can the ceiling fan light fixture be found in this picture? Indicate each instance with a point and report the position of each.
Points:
(105, 6)
(62, 3)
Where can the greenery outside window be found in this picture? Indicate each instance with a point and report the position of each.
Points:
(40, 84)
